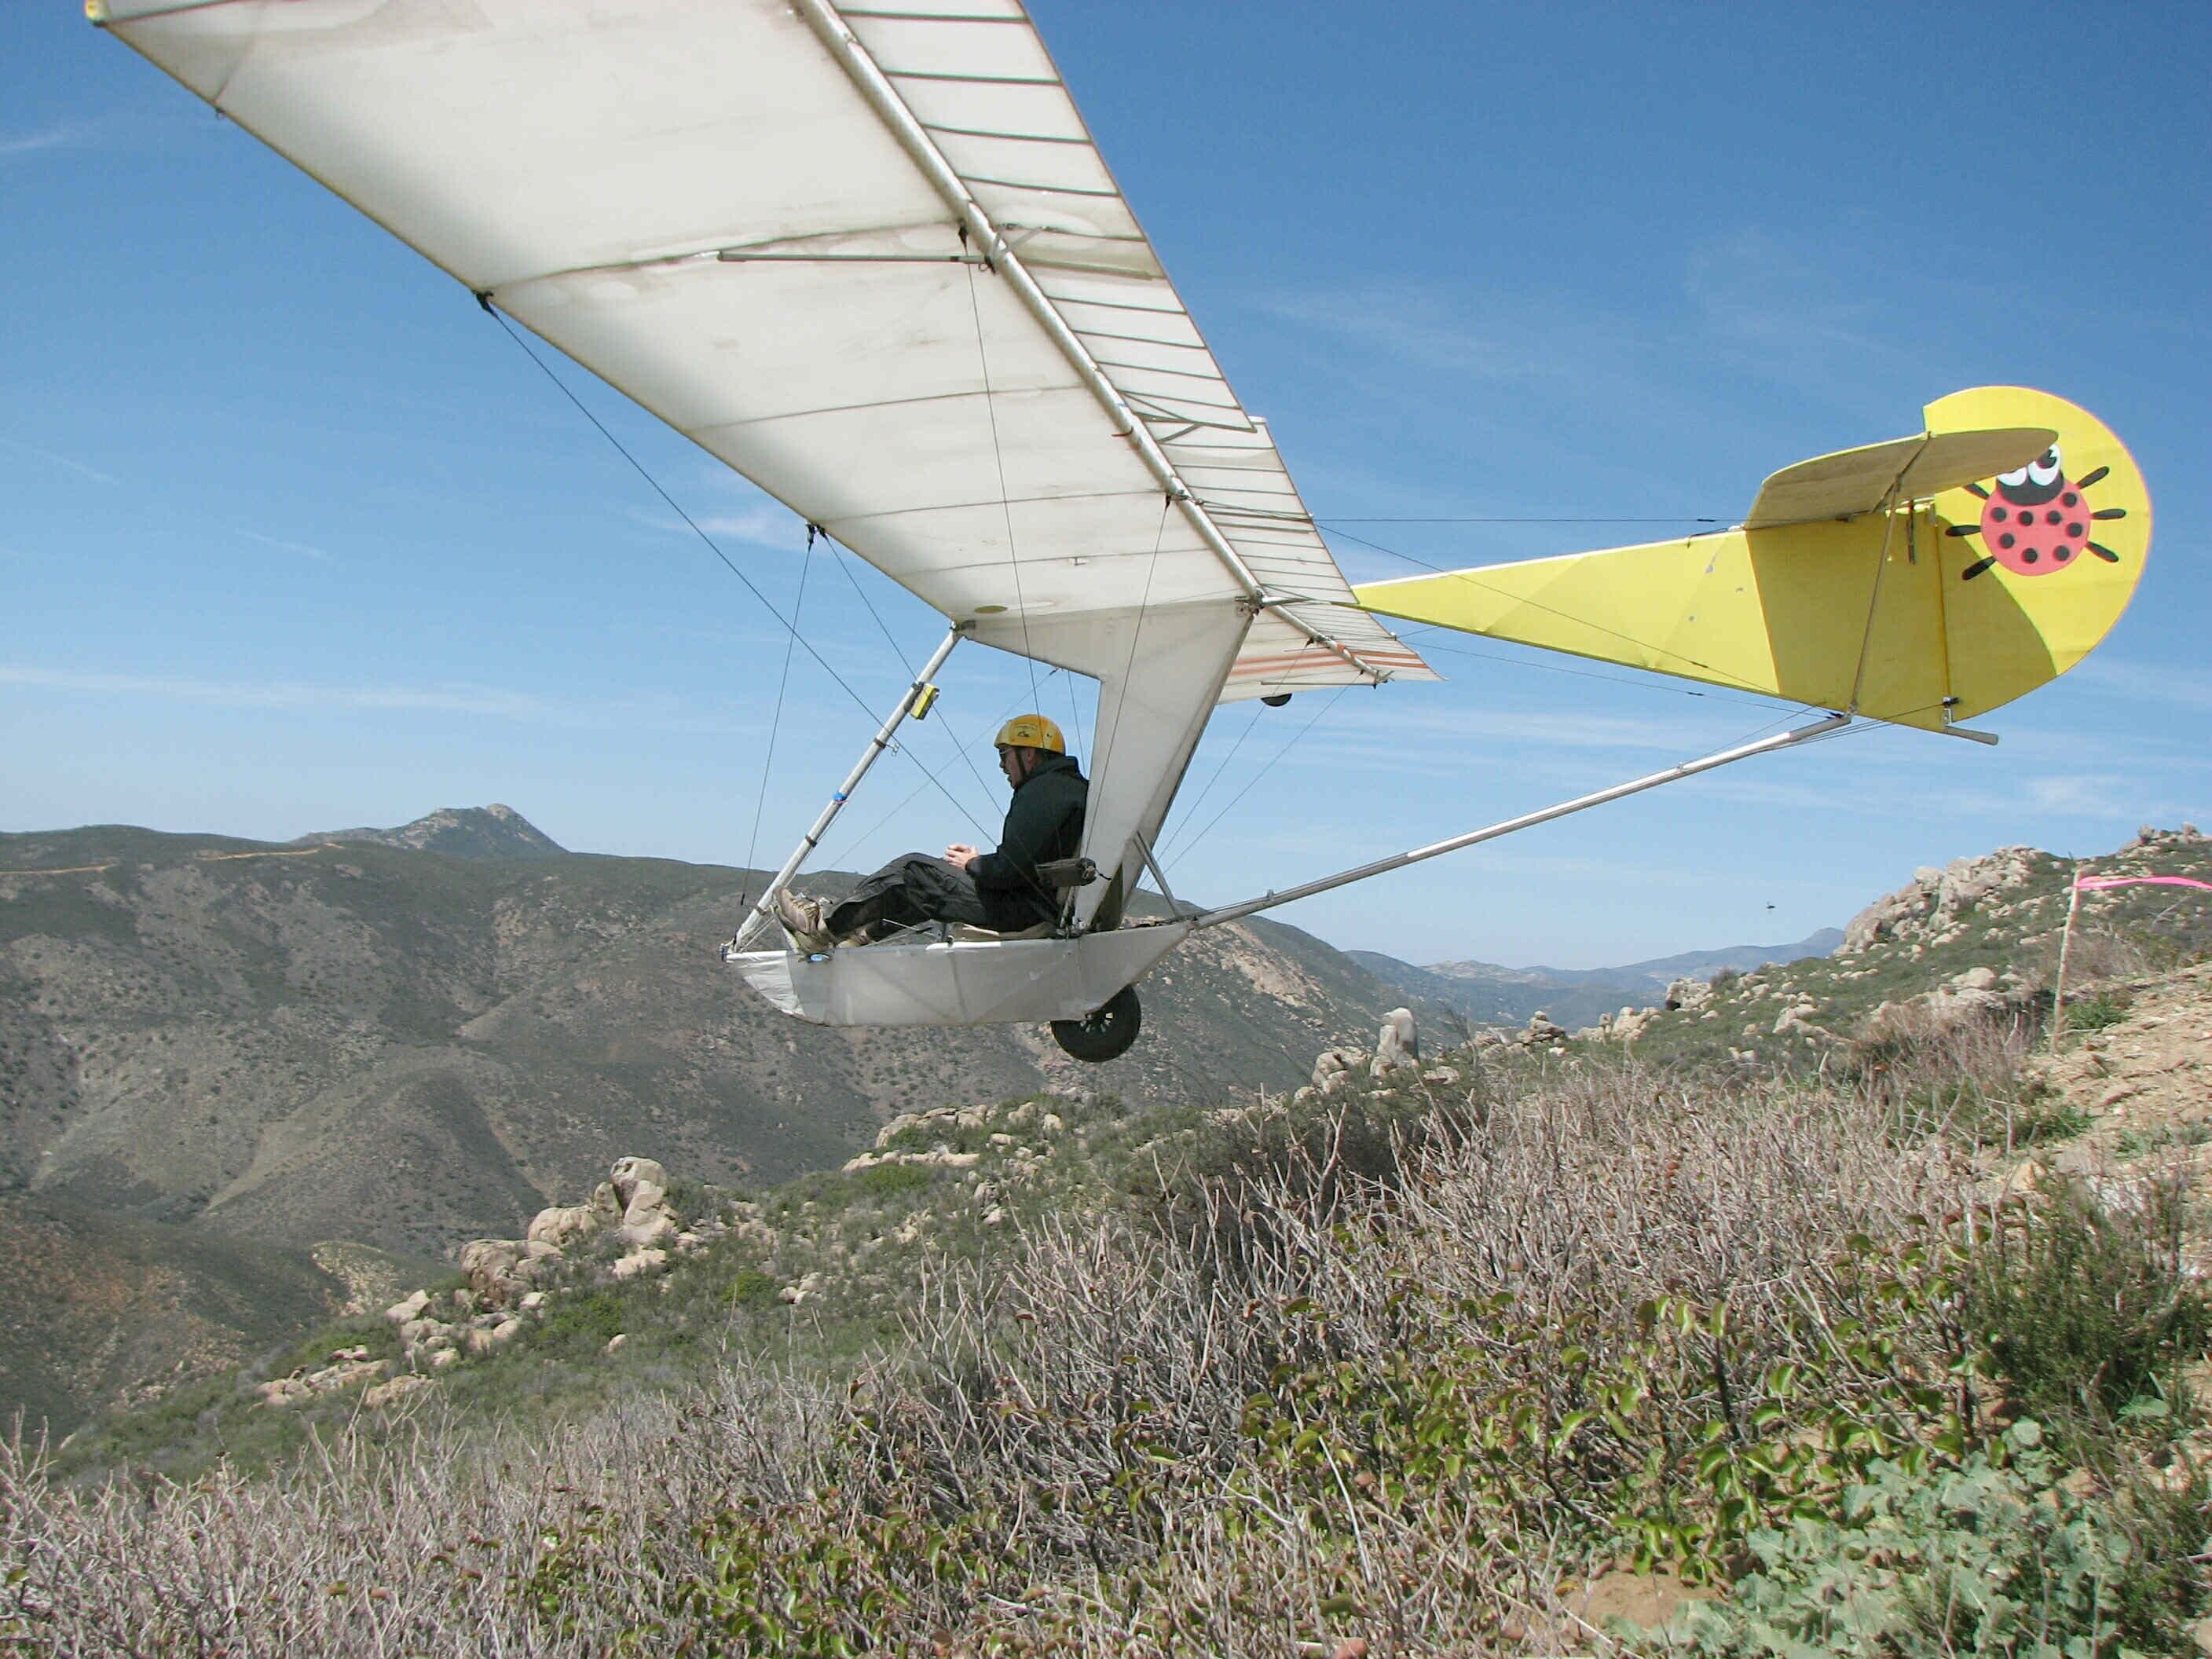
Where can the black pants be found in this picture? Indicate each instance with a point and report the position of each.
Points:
(918, 888)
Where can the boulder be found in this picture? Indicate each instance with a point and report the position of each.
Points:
(398, 1387)
(563, 1225)
(1540, 1032)
(641, 1186)
(411, 1308)
(1333, 1067)
(1398, 1044)
(285, 1391)
(643, 1260)
(491, 1264)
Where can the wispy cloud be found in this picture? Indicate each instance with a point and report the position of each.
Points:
(2189, 688)
(1436, 331)
(2094, 793)
(58, 137)
(759, 527)
(283, 546)
(651, 713)
(68, 462)
(451, 698)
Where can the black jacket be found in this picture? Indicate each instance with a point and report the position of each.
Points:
(1044, 821)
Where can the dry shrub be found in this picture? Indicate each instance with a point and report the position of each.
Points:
(1932, 1072)
(1401, 1409)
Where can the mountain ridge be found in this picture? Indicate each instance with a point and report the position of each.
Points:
(469, 832)
(1492, 992)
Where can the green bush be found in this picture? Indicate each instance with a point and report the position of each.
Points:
(1993, 1557)
(751, 1288)
(2095, 1013)
(2087, 1312)
(890, 1180)
(581, 1322)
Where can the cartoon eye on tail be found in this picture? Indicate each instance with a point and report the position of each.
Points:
(2036, 522)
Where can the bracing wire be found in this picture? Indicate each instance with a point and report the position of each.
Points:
(905, 662)
(998, 456)
(1190, 811)
(676, 506)
(1266, 768)
(847, 846)
(1137, 635)
(775, 721)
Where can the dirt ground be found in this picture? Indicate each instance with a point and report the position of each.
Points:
(2145, 1084)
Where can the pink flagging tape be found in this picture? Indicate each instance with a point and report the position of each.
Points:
(2089, 884)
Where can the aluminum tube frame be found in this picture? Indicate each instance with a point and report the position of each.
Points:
(1652, 781)
(875, 86)
(763, 911)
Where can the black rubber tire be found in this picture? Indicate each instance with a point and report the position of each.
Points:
(1105, 1032)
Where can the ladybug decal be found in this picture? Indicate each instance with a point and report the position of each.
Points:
(2037, 522)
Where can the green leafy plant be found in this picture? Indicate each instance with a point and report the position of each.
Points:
(1993, 1557)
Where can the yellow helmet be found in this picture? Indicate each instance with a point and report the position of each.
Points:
(1031, 731)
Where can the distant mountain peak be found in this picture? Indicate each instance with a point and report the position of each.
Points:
(496, 831)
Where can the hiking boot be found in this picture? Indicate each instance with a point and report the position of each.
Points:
(802, 920)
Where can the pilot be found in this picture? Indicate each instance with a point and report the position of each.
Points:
(1001, 891)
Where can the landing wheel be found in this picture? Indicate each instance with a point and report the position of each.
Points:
(1106, 1031)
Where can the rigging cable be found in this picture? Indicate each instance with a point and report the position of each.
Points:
(1191, 812)
(998, 456)
(775, 721)
(847, 846)
(484, 300)
(905, 662)
(1137, 633)
(1269, 766)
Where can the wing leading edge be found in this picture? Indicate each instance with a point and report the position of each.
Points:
(703, 205)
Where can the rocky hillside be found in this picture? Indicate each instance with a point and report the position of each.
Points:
(372, 1040)
(1981, 935)
(1235, 1391)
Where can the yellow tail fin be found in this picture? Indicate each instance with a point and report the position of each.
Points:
(1972, 590)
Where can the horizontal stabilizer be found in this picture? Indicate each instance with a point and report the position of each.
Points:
(1994, 581)
(1855, 481)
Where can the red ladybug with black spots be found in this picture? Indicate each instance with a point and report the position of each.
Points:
(2037, 522)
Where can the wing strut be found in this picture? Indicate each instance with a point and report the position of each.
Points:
(1819, 728)
(915, 702)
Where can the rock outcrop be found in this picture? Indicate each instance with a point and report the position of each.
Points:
(1928, 909)
(507, 1277)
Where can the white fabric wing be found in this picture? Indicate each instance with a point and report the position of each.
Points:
(765, 222)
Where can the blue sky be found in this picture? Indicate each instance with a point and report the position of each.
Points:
(293, 537)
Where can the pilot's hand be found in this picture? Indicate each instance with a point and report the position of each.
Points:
(959, 856)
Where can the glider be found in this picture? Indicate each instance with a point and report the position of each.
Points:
(869, 258)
